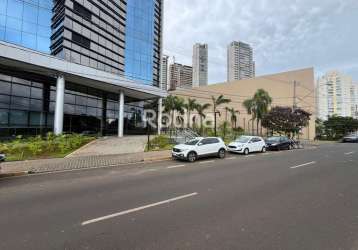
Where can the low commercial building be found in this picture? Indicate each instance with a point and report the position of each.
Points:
(286, 89)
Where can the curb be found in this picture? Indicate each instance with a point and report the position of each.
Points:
(17, 174)
(148, 160)
(164, 158)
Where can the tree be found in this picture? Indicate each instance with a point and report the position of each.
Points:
(286, 120)
(216, 103)
(200, 108)
(190, 106)
(320, 129)
(337, 126)
(233, 116)
(173, 104)
(250, 108)
(258, 106)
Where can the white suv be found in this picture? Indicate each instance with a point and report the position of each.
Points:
(247, 144)
(200, 147)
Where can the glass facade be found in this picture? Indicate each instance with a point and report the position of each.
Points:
(27, 108)
(140, 40)
(26, 23)
(126, 38)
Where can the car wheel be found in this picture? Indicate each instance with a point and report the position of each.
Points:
(222, 153)
(246, 151)
(263, 150)
(192, 157)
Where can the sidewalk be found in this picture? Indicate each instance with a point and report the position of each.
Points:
(73, 163)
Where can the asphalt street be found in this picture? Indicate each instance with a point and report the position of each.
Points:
(299, 199)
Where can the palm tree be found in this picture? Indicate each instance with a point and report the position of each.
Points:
(216, 103)
(173, 104)
(258, 106)
(200, 108)
(263, 102)
(250, 108)
(226, 112)
(190, 106)
(233, 116)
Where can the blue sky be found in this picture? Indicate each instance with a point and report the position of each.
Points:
(285, 35)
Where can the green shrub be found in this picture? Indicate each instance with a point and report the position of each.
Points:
(160, 142)
(39, 147)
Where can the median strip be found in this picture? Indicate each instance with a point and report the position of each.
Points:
(303, 165)
(107, 217)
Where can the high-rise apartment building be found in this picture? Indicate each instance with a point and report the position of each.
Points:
(240, 63)
(354, 98)
(164, 75)
(73, 66)
(180, 76)
(200, 65)
(333, 95)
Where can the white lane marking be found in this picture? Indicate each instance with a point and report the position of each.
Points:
(303, 165)
(349, 153)
(247, 156)
(231, 158)
(107, 217)
(267, 154)
(177, 166)
(204, 162)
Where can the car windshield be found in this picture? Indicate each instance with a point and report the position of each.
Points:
(192, 143)
(243, 139)
(274, 139)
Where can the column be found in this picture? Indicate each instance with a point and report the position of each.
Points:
(60, 96)
(160, 110)
(104, 115)
(121, 114)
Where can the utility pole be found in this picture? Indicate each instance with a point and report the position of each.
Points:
(295, 84)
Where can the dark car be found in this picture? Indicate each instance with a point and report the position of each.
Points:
(351, 138)
(279, 143)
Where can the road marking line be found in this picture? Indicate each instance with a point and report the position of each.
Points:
(303, 165)
(231, 158)
(177, 166)
(137, 209)
(247, 156)
(349, 153)
(204, 162)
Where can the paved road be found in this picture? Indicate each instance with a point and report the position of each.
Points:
(303, 199)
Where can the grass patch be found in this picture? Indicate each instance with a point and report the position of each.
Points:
(159, 143)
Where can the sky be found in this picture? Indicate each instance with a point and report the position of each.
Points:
(285, 35)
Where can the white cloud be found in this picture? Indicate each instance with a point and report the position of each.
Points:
(285, 34)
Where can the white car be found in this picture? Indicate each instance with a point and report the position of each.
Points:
(247, 144)
(200, 147)
(2, 157)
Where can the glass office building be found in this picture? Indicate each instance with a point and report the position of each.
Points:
(129, 45)
(26, 23)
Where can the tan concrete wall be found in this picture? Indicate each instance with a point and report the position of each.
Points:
(279, 86)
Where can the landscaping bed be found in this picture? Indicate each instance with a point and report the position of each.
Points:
(39, 147)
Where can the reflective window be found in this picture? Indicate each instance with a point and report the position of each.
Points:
(26, 23)
(140, 40)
